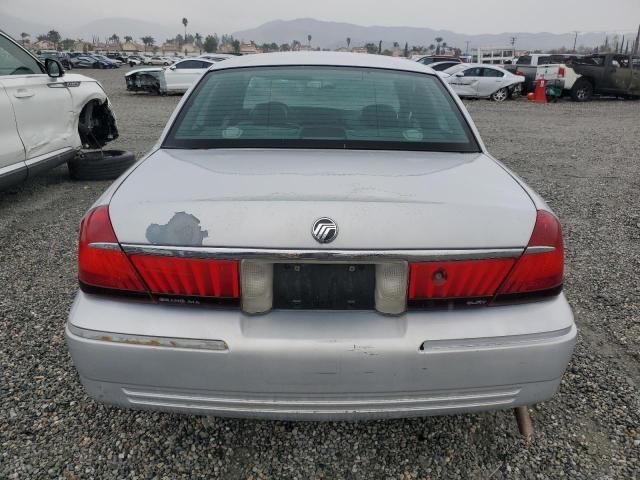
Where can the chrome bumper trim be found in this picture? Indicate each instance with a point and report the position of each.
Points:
(149, 341)
(299, 255)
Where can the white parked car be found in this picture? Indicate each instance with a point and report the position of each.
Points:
(46, 115)
(177, 78)
(483, 81)
(320, 236)
(158, 61)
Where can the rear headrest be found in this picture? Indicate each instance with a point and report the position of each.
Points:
(379, 115)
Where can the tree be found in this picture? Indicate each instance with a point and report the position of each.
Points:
(371, 47)
(54, 37)
(211, 44)
(128, 38)
(147, 41)
(348, 43)
(24, 36)
(438, 41)
(309, 38)
(236, 46)
(285, 47)
(396, 45)
(197, 38)
(406, 50)
(67, 43)
(444, 46)
(185, 23)
(380, 47)
(115, 39)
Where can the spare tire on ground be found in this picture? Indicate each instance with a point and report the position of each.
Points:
(100, 165)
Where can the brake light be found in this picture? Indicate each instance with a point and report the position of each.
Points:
(462, 279)
(538, 272)
(561, 72)
(541, 267)
(104, 266)
(188, 277)
(101, 262)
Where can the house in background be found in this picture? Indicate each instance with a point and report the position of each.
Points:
(131, 47)
(43, 45)
(249, 49)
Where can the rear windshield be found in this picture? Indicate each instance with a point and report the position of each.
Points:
(321, 107)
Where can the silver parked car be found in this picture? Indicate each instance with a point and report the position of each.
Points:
(320, 236)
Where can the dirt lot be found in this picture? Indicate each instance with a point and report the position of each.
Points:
(584, 159)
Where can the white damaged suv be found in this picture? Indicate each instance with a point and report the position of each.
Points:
(46, 115)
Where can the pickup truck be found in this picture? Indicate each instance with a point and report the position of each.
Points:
(528, 66)
(607, 74)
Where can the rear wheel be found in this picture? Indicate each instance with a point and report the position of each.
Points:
(582, 91)
(501, 95)
(100, 165)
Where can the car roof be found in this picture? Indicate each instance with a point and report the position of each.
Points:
(338, 59)
(217, 55)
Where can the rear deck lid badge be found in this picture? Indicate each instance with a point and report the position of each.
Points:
(324, 230)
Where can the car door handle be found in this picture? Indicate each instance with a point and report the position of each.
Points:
(24, 93)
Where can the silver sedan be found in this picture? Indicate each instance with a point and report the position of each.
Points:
(483, 81)
(320, 236)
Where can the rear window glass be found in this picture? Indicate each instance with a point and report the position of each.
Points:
(322, 107)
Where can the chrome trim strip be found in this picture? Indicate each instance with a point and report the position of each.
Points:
(480, 395)
(11, 168)
(312, 410)
(540, 249)
(149, 341)
(105, 246)
(297, 255)
(47, 156)
(493, 342)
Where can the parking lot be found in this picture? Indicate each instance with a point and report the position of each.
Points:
(583, 158)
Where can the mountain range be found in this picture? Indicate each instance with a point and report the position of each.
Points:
(334, 35)
(325, 34)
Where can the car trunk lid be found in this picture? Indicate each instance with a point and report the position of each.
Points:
(271, 198)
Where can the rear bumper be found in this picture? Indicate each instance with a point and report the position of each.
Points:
(319, 365)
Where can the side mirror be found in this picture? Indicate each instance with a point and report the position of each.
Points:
(172, 67)
(54, 68)
(459, 75)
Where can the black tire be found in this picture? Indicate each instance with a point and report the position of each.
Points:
(105, 165)
(582, 91)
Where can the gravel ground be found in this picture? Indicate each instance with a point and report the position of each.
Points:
(582, 158)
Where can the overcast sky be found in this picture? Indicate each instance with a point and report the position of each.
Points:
(463, 16)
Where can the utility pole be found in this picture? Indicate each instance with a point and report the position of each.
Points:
(575, 40)
(513, 45)
(466, 52)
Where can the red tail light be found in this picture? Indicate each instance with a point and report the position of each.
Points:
(101, 262)
(457, 279)
(188, 277)
(561, 72)
(104, 266)
(541, 267)
(539, 271)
